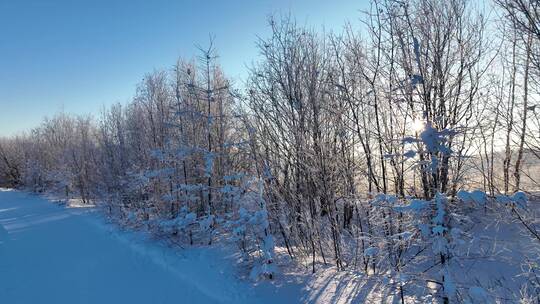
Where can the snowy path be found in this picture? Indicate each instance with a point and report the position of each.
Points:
(50, 254)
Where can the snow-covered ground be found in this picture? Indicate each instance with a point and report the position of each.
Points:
(52, 254)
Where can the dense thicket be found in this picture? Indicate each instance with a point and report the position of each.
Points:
(350, 149)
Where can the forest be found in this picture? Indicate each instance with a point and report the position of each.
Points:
(400, 149)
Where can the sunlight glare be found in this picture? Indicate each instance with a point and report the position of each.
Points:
(417, 125)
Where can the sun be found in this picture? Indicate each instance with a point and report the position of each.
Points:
(418, 125)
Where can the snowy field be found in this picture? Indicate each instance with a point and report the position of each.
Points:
(57, 255)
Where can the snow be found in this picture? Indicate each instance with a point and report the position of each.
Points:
(181, 222)
(206, 223)
(478, 294)
(520, 199)
(479, 197)
(371, 251)
(52, 254)
(415, 205)
(475, 197)
(440, 201)
(409, 154)
(449, 285)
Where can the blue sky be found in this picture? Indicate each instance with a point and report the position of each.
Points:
(79, 56)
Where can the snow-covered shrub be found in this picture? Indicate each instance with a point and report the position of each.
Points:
(424, 224)
(179, 224)
(518, 199)
(476, 197)
(251, 231)
(188, 227)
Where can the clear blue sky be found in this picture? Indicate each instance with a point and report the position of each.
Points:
(79, 56)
